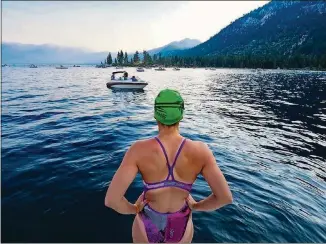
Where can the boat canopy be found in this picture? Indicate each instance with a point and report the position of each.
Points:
(118, 72)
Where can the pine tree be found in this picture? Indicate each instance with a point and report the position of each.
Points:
(145, 59)
(155, 59)
(109, 59)
(136, 57)
(125, 60)
(120, 58)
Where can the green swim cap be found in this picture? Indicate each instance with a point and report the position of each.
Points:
(169, 107)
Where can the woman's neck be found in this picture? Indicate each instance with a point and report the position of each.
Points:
(164, 132)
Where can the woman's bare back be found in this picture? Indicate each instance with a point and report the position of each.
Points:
(153, 167)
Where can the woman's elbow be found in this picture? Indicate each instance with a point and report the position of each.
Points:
(228, 198)
(108, 202)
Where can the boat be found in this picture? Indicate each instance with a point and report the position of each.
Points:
(119, 67)
(212, 69)
(33, 66)
(176, 69)
(125, 82)
(160, 69)
(4, 65)
(61, 67)
(76, 66)
(140, 69)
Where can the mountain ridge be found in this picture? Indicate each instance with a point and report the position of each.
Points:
(20, 53)
(171, 47)
(277, 28)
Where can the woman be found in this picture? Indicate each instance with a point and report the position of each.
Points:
(169, 164)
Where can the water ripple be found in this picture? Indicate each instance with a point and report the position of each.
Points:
(64, 135)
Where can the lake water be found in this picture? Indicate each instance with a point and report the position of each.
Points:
(64, 135)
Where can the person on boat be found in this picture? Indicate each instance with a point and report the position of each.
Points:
(169, 164)
(112, 77)
(125, 75)
(133, 78)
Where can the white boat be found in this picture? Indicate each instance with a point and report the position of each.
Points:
(160, 69)
(212, 69)
(33, 66)
(61, 67)
(119, 67)
(139, 69)
(176, 69)
(125, 82)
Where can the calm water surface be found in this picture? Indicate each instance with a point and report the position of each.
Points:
(64, 135)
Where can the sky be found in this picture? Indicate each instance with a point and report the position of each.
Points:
(111, 26)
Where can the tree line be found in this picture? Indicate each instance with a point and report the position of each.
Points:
(219, 61)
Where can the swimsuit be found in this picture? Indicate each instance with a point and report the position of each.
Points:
(166, 227)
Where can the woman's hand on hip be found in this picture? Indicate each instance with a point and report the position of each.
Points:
(140, 203)
(191, 202)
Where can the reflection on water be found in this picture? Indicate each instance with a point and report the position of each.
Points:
(64, 135)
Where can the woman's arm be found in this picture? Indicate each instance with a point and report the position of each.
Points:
(122, 179)
(221, 194)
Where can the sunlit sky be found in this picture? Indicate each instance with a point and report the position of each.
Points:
(111, 26)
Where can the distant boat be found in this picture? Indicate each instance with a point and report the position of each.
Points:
(176, 69)
(76, 66)
(33, 66)
(212, 69)
(61, 67)
(102, 65)
(160, 69)
(139, 69)
(4, 65)
(119, 67)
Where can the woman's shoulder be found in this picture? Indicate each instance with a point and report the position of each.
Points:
(197, 145)
(197, 149)
(141, 144)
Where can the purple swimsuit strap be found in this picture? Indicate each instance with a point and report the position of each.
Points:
(168, 182)
(177, 155)
(170, 168)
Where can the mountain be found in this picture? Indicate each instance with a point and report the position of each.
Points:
(279, 28)
(172, 47)
(17, 53)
